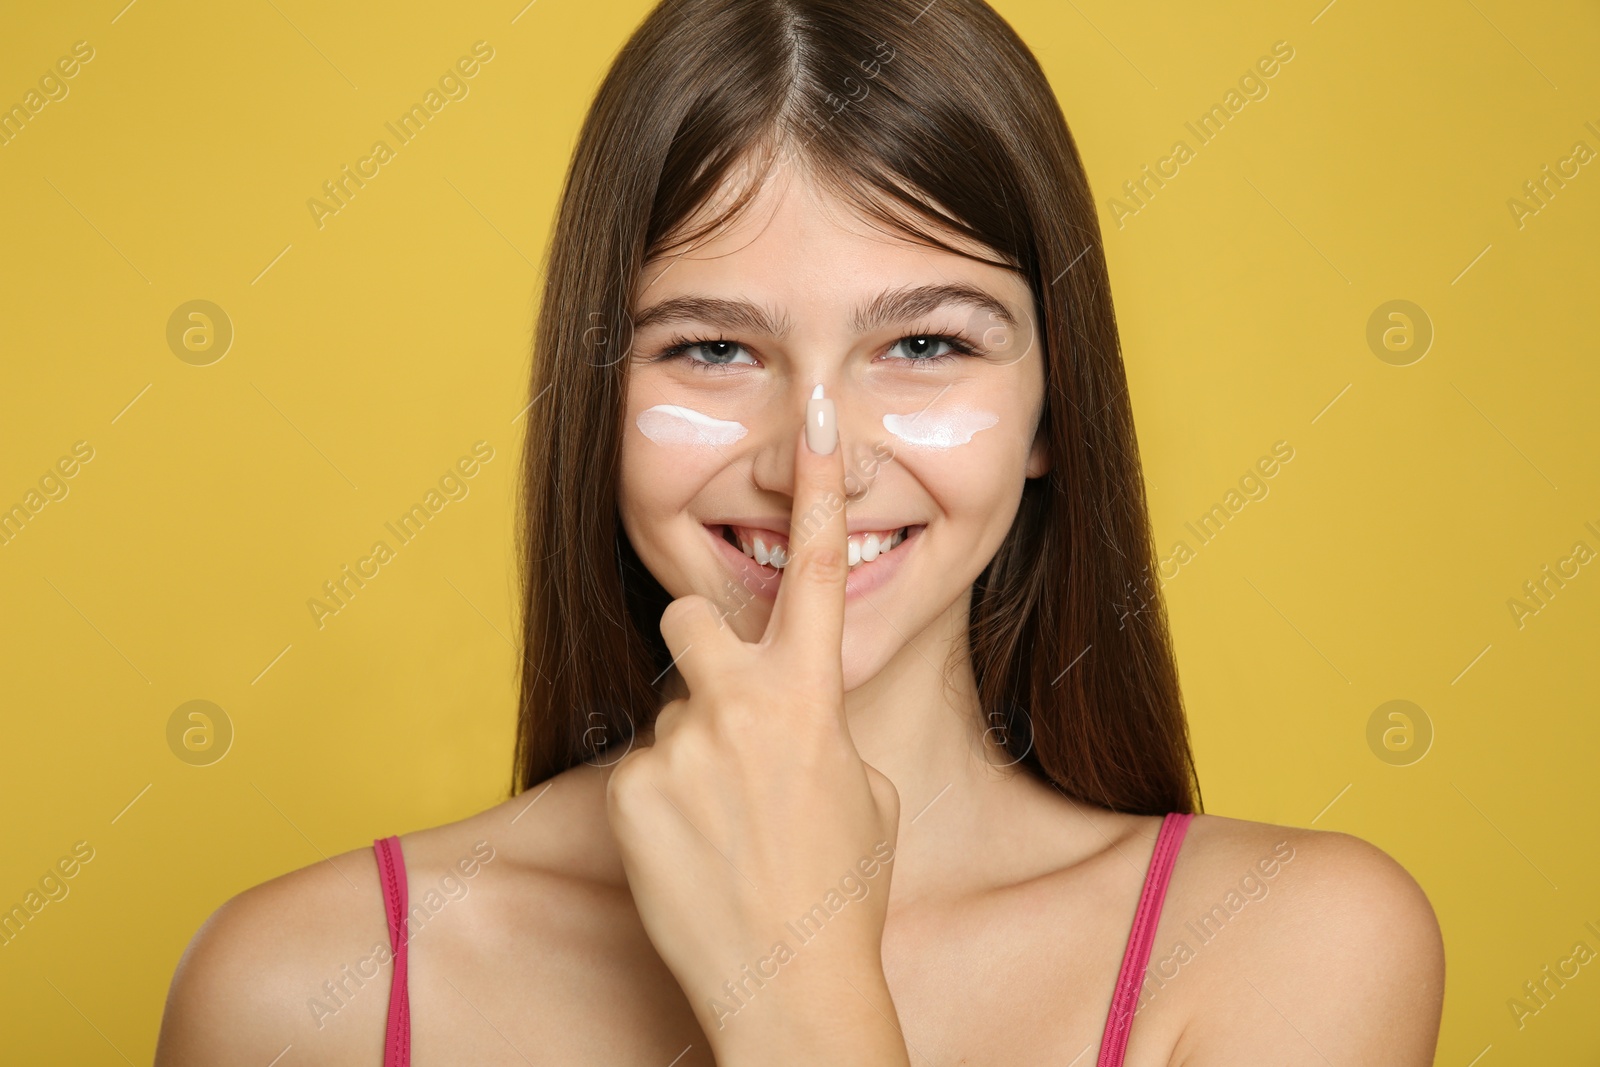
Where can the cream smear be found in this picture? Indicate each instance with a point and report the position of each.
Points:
(670, 424)
(930, 429)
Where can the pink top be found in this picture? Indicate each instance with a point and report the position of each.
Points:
(1119, 1021)
(392, 873)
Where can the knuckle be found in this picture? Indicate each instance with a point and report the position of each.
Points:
(885, 793)
(629, 783)
(685, 611)
(691, 754)
(688, 618)
(666, 721)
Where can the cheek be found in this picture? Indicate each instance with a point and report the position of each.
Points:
(988, 416)
(967, 482)
(668, 455)
(677, 427)
(651, 491)
(650, 486)
(669, 450)
(972, 461)
(940, 431)
(964, 440)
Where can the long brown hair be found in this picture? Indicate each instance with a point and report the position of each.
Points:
(932, 116)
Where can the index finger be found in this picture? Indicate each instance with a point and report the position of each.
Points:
(808, 614)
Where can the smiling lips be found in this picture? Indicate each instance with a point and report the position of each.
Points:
(772, 549)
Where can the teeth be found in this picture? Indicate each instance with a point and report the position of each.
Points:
(862, 549)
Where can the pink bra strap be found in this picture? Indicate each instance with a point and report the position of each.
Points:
(1119, 1022)
(392, 873)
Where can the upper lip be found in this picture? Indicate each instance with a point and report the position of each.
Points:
(780, 526)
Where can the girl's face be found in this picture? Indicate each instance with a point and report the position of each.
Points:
(731, 336)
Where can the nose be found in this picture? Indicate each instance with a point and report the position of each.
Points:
(773, 467)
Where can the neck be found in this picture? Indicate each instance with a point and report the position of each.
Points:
(962, 795)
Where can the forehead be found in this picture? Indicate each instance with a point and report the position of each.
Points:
(798, 245)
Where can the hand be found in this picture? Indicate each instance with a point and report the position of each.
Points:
(757, 843)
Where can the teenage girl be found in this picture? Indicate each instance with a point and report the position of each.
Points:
(850, 728)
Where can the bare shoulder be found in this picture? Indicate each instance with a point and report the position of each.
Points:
(1311, 946)
(528, 957)
(515, 899)
(247, 986)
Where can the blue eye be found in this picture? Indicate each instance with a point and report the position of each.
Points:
(712, 354)
(721, 353)
(921, 347)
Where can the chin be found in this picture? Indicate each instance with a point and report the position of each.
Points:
(865, 650)
(858, 671)
(865, 657)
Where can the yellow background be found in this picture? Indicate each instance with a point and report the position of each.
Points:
(371, 353)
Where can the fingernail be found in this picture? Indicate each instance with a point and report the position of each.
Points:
(822, 431)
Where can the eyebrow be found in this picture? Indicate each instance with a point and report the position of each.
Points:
(889, 306)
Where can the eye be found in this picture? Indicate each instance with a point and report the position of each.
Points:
(712, 354)
(922, 348)
(703, 353)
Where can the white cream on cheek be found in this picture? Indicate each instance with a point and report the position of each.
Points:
(672, 424)
(944, 429)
